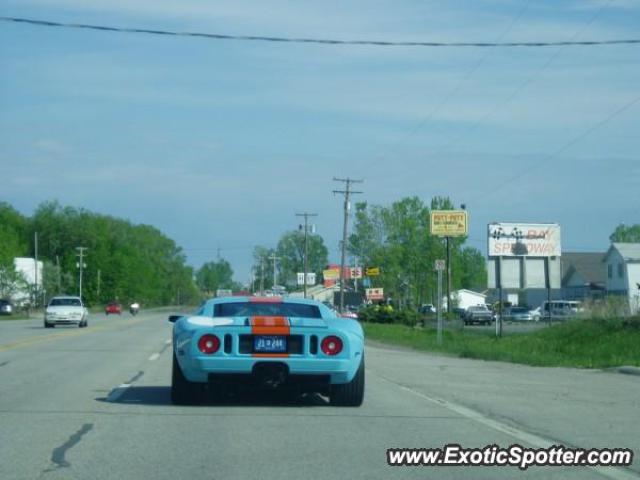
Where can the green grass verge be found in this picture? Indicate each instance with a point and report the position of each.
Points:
(592, 343)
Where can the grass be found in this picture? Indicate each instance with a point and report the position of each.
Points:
(590, 343)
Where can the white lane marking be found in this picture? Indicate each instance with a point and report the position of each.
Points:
(154, 357)
(116, 393)
(615, 473)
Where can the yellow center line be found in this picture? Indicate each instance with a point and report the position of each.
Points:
(47, 338)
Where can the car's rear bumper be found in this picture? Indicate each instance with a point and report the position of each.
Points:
(203, 368)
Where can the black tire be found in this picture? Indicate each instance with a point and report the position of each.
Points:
(184, 392)
(349, 394)
(48, 325)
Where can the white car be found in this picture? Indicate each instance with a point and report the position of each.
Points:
(66, 311)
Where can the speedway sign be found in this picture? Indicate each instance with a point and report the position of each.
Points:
(449, 223)
(524, 240)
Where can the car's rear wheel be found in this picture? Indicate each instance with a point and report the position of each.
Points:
(48, 325)
(184, 392)
(350, 394)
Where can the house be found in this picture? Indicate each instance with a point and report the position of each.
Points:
(583, 275)
(30, 272)
(622, 267)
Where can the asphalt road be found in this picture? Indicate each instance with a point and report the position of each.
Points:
(94, 404)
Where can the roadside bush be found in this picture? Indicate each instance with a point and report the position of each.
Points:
(378, 314)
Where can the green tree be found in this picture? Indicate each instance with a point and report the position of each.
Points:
(215, 275)
(397, 239)
(291, 252)
(262, 267)
(626, 234)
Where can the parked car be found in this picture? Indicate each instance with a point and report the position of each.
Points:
(518, 314)
(5, 307)
(113, 308)
(66, 310)
(561, 309)
(267, 343)
(478, 314)
(428, 309)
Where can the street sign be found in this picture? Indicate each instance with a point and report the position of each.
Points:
(331, 274)
(356, 272)
(374, 293)
(440, 265)
(372, 271)
(449, 223)
(311, 278)
(524, 240)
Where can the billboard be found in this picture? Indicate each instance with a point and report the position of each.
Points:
(524, 240)
(449, 223)
(374, 293)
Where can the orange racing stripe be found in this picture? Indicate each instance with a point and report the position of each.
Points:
(270, 326)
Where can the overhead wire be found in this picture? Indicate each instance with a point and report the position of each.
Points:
(495, 187)
(425, 121)
(456, 139)
(322, 41)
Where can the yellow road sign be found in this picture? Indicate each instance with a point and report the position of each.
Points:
(372, 271)
(449, 223)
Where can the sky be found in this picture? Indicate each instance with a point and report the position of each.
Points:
(219, 143)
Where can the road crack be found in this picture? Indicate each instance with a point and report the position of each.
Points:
(58, 455)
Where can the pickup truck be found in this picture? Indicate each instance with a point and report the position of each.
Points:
(478, 314)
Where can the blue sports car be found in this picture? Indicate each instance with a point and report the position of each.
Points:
(267, 342)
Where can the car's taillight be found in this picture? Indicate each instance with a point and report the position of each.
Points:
(331, 345)
(208, 344)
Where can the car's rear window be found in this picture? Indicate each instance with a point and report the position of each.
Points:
(65, 302)
(247, 309)
(519, 310)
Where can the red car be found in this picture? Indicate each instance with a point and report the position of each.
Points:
(113, 307)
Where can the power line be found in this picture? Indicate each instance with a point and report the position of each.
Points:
(564, 147)
(323, 41)
(461, 82)
(456, 139)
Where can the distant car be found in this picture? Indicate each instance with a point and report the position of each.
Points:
(5, 307)
(427, 309)
(478, 314)
(561, 309)
(349, 314)
(66, 310)
(518, 314)
(113, 308)
(267, 343)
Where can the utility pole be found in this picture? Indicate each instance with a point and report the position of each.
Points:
(59, 274)
(306, 246)
(347, 192)
(274, 258)
(81, 266)
(448, 274)
(35, 290)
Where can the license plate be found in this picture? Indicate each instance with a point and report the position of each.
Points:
(269, 344)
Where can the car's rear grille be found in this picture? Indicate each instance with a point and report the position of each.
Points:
(295, 344)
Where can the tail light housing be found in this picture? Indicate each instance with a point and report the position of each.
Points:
(209, 344)
(331, 345)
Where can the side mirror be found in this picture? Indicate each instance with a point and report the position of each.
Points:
(174, 318)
